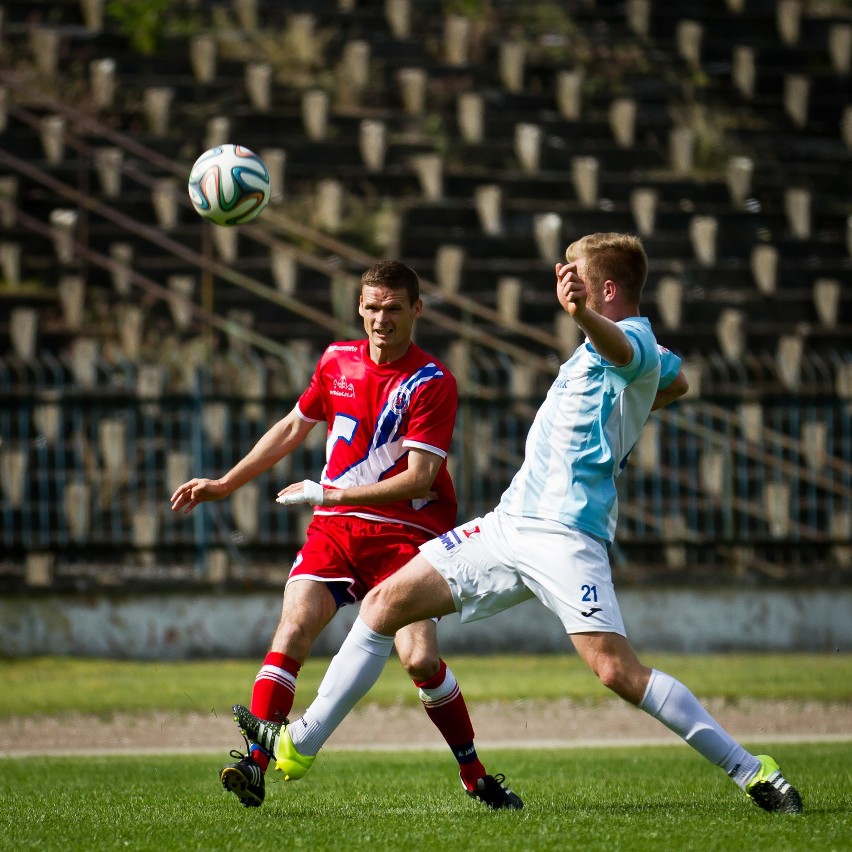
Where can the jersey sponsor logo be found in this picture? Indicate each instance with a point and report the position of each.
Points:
(399, 400)
(470, 531)
(343, 387)
(336, 348)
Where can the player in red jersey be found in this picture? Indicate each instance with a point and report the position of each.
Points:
(385, 490)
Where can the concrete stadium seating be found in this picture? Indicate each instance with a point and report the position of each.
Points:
(722, 132)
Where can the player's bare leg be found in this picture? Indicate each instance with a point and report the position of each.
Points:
(415, 593)
(402, 599)
(307, 608)
(613, 660)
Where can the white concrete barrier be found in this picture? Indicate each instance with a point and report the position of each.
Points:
(187, 625)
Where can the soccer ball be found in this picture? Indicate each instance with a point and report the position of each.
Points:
(229, 185)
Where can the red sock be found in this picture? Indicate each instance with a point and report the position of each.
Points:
(445, 706)
(273, 694)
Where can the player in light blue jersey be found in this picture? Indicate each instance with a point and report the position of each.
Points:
(549, 536)
(584, 431)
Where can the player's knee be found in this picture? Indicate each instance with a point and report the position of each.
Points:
(611, 674)
(624, 679)
(372, 601)
(294, 637)
(421, 664)
(379, 600)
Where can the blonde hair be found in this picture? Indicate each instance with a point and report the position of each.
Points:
(612, 256)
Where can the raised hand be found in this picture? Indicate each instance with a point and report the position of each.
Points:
(570, 288)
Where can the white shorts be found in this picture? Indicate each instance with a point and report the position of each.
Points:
(497, 561)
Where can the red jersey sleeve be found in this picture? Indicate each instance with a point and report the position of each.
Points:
(312, 401)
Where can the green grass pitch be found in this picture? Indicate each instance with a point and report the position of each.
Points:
(646, 798)
(656, 798)
(61, 684)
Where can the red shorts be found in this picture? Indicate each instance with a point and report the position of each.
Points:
(353, 555)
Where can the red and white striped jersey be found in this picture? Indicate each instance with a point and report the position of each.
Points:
(375, 414)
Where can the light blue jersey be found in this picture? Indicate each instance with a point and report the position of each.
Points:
(584, 431)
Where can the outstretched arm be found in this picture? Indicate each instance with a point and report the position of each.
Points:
(411, 484)
(287, 434)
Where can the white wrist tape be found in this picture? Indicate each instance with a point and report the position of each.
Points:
(312, 493)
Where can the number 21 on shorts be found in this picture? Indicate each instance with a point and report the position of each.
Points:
(590, 593)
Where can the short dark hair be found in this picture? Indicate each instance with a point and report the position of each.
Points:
(617, 257)
(393, 275)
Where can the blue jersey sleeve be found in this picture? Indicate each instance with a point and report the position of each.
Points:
(642, 340)
(669, 366)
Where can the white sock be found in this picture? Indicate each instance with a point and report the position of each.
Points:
(678, 709)
(349, 677)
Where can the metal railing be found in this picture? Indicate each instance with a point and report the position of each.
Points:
(270, 232)
(90, 474)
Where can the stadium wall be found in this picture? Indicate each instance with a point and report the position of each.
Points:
(187, 626)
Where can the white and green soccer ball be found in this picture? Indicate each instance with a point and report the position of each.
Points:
(229, 185)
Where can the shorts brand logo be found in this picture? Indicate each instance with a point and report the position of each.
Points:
(450, 539)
